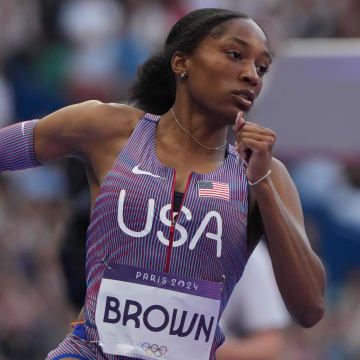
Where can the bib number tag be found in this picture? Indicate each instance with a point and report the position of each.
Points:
(149, 314)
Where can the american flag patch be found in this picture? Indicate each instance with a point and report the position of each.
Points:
(213, 189)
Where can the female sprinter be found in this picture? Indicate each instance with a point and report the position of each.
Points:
(176, 211)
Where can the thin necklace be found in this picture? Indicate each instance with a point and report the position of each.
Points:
(219, 148)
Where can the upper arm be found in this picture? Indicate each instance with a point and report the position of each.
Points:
(77, 129)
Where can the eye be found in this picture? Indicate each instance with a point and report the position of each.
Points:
(262, 69)
(235, 55)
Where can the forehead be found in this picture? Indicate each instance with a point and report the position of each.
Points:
(243, 29)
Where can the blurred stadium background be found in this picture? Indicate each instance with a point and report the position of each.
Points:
(54, 53)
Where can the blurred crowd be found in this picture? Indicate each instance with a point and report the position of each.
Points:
(57, 52)
(54, 53)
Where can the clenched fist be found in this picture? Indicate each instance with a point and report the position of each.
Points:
(254, 144)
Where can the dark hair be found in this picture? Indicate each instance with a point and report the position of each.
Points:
(155, 87)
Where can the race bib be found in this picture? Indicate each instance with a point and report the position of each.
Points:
(150, 314)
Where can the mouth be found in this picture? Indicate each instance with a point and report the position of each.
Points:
(245, 98)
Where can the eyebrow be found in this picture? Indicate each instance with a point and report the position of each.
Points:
(269, 54)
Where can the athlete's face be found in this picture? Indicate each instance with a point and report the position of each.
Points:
(226, 71)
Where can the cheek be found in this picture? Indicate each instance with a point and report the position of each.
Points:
(207, 91)
(211, 79)
(222, 71)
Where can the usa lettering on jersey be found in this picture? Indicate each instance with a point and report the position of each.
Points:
(166, 221)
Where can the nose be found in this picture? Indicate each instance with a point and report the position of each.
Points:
(250, 76)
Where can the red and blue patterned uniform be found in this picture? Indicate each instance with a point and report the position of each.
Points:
(131, 224)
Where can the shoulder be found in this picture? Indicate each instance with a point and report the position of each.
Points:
(83, 128)
(281, 178)
(106, 126)
(108, 119)
(94, 117)
(99, 124)
(285, 187)
(278, 168)
(279, 173)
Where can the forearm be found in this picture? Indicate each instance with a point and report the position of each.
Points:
(264, 346)
(17, 146)
(299, 272)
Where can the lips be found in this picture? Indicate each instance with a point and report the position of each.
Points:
(244, 97)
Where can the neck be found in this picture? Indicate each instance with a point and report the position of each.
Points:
(194, 129)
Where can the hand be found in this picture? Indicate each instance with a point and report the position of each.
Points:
(254, 145)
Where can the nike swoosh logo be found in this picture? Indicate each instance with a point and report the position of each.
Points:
(137, 171)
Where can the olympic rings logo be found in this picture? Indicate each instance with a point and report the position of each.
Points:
(154, 349)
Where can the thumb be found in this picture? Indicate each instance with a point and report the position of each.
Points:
(239, 122)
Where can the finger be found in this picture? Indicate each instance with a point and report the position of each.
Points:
(254, 125)
(248, 127)
(254, 146)
(258, 137)
(244, 153)
(239, 122)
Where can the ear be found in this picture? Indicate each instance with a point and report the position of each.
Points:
(179, 63)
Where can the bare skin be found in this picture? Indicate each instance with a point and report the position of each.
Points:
(235, 60)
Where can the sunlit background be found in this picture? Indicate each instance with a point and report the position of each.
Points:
(54, 53)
